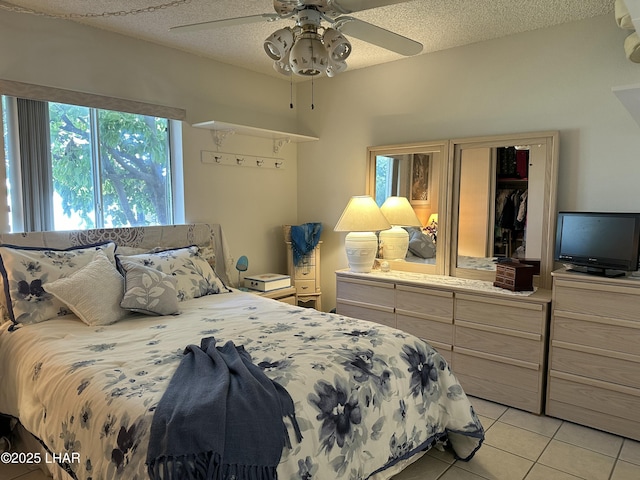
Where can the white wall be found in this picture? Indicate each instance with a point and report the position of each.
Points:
(250, 204)
(558, 78)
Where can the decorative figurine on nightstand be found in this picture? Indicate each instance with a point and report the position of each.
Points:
(242, 265)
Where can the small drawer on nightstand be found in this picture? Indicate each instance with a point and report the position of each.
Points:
(305, 287)
(304, 272)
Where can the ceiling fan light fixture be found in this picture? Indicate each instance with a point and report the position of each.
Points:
(337, 45)
(282, 66)
(308, 56)
(335, 67)
(279, 43)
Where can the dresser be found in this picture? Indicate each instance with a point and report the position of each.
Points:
(494, 339)
(305, 277)
(594, 352)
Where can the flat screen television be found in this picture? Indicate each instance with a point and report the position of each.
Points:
(602, 243)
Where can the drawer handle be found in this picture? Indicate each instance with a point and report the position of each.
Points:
(304, 288)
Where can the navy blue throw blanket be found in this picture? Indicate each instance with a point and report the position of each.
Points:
(220, 418)
(304, 239)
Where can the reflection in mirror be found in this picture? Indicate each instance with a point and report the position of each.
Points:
(504, 203)
(414, 172)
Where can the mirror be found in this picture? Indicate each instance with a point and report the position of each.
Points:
(417, 172)
(503, 203)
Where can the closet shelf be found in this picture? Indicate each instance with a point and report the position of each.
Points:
(254, 131)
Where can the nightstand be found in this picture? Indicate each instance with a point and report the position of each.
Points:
(285, 295)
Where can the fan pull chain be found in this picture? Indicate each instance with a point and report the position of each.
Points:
(312, 105)
(291, 92)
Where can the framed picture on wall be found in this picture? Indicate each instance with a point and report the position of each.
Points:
(419, 192)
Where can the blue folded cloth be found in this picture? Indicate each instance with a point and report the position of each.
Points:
(304, 239)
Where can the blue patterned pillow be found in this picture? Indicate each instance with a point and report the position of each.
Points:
(194, 276)
(26, 271)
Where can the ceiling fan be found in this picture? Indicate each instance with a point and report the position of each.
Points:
(302, 49)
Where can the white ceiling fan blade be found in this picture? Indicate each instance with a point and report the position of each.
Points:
(378, 36)
(227, 22)
(350, 6)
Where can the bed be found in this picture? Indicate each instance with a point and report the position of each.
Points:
(368, 399)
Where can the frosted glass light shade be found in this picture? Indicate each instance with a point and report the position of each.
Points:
(361, 218)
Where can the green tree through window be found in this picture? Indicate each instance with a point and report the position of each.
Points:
(110, 168)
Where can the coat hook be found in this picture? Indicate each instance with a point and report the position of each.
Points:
(259, 162)
(278, 164)
(239, 161)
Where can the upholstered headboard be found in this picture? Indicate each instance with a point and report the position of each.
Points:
(131, 240)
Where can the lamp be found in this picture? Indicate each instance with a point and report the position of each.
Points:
(361, 217)
(395, 241)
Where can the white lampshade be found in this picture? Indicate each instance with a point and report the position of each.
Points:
(361, 217)
(395, 241)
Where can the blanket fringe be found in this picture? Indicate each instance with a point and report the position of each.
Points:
(206, 466)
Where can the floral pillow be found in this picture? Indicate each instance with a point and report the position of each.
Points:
(194, 276)
(148, 290)
(93, 293)
(27, 270)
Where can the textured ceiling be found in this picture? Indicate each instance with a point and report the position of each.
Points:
(437, 24)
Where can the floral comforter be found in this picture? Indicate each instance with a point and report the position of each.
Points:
(366, 396)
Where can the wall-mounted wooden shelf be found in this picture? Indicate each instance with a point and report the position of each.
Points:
(629, 95)
(254, 131)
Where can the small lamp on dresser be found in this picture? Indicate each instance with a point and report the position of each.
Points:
(395, 241)
(361, 218)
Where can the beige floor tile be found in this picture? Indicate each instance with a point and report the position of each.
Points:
(546, 426)
(516, 440)
(12, 470)
(595, 440)
(577, 461)
(542, 472)
(630, 451)
(486, 408)
(486, 421)
(455, 473)
(496, 464)
(34, 475)
(427, 468)
(625, 471)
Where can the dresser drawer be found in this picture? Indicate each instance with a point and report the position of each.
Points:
(601, 332)
(368, 292)
(614, 367)
(377, 315)
(497, 370)
(304, 273)
(599, 397)
(501, 342)
(429, 330)
(516, 315)
(305, 287)
(596, 299)
(424, 303)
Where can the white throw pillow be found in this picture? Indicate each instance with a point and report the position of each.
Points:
(93, 293)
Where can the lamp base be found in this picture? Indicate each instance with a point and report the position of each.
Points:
(395, 243)
(361, 250)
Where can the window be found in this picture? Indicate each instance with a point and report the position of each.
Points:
(77, 167)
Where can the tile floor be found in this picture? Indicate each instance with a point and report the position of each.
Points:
(518, 446)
